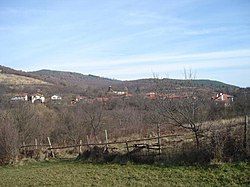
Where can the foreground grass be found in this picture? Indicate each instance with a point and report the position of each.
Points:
(66, 173)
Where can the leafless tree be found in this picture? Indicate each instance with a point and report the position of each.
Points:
(8, 137)
(187, 110)
(93, 117)
(188, 113)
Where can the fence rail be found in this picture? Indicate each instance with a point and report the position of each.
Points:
(159, 137)
(103, 144)
(137, 144)
(34, 145)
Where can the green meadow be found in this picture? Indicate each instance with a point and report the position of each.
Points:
(71, 173)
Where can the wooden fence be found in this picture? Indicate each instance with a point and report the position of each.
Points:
(127, 143)
(156, 146)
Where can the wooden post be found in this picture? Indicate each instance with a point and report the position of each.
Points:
(106, 139)
(127, 146)
(158, 137)
(247, 136)
(88, 141)
(36, 145)
(80, 147)
(24, 148)
(148, 144)
(50, 145)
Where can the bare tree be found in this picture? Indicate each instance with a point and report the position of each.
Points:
(8, 138)
(189, 74)
(93, 117)
(188, 113)
(187, 110)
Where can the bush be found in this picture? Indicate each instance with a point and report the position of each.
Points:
(8, 139)
(227, 145)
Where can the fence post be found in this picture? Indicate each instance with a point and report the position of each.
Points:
(80, 147)
(106, 139)
(50, 145)
(158, 137)
(88, 141)
(36, 145)
(24, 148)
(247, 136)
(127, 146)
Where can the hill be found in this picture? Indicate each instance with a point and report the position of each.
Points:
(70, 78)
(177, 85)
(77, 83)
(12, 79)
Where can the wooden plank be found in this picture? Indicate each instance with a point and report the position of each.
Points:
(159, 138)
(80, 147)
(36, 144)
(106, 139)
(50, 146)
(33, 145)
(88, 141)
(127, 146)
(113, 143)
(247, 136)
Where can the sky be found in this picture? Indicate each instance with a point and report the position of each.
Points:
(129, 39)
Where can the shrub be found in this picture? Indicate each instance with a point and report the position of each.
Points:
(8, 139)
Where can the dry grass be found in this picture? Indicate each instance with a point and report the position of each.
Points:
(12, 79)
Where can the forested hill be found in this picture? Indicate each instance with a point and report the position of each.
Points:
(77, 82)
(71, 78)
(179, 84)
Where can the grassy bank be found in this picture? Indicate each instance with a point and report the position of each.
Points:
(68, 173)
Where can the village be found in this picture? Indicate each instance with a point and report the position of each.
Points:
(219, 98)
(124, 93)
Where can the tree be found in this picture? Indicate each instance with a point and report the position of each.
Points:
(188, 113)
(8, 137)
(186, 110)
(93, 117)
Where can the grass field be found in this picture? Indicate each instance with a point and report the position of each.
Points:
(18, 79)
(68, 173)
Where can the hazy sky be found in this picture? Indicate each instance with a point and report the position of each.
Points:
(129, 39)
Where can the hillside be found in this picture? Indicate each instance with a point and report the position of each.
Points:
(71, 82)
(176, 85)
(12, 79)
(73, 79)
(144, 85)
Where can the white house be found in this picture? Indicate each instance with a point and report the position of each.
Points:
(20, 97)
(26, 97)
(37, 98)
(56, 97)
(120, 93)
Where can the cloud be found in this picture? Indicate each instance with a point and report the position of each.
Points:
(163, 57)
(172, 67)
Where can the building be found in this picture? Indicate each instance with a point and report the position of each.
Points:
(83, 99)
(226, 99)
(151, 95)
(37, 98)
(34, 98)
(56, 97)
(118, 93)
(20, 97)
